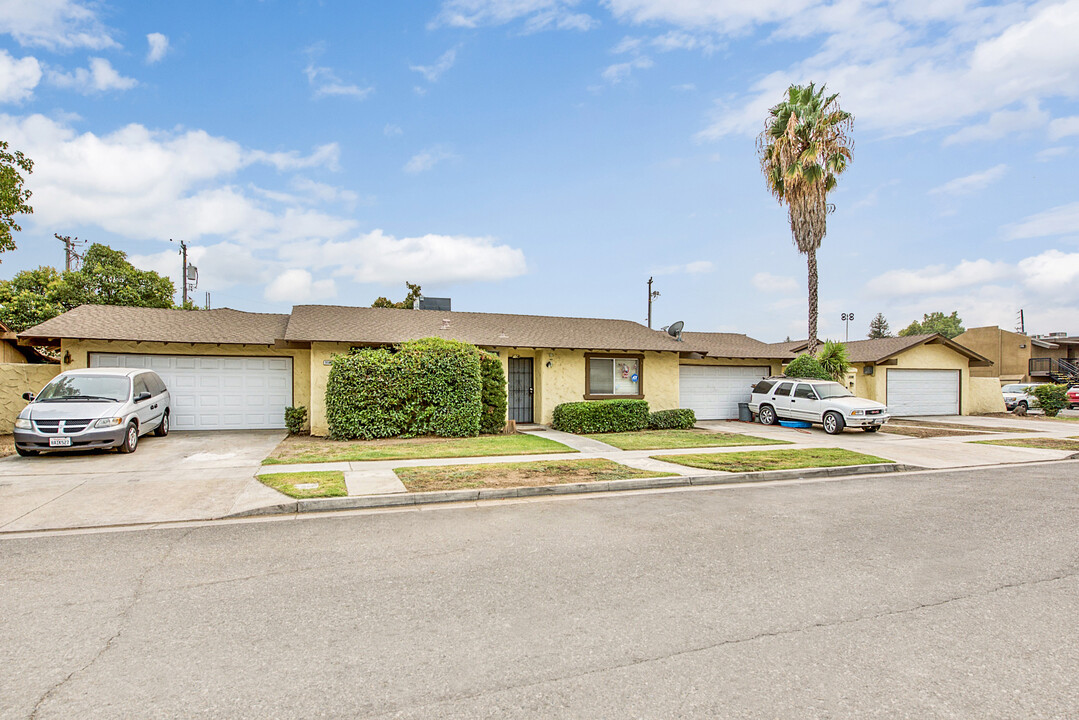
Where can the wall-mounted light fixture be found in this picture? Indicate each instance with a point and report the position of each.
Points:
(67, 357)
(549, 363)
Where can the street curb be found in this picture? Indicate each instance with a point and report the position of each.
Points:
(364, 502)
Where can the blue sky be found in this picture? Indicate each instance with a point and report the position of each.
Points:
(548, 156)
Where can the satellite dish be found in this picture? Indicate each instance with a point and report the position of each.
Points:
(675, 330)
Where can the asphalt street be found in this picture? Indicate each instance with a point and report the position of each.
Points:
(935, 595)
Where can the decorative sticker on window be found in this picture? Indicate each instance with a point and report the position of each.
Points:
(626, 375)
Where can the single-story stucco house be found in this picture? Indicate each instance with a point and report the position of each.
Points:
(231, 369)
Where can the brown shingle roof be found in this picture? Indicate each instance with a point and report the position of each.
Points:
(879, 349)
(109, 322)
(331, 323)
(735, 345)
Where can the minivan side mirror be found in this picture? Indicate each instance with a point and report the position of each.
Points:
(28, 396)
(142, 396)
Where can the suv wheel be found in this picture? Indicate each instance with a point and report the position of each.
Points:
(767, 415)
(131, 439)
(1023, 405)
(833, 423)
(163, 429)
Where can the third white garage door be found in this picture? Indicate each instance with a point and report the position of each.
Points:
(713, 392)
(217, 393)
(923, 392)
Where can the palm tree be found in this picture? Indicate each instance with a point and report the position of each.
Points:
(805, 145)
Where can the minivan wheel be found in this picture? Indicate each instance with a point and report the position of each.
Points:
(163, 429)
(131, 439)
(767, 415)
(24, 452)
(833, 423)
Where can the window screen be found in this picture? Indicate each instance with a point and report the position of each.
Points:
(784, 389)
(617, 376)
(601, 376)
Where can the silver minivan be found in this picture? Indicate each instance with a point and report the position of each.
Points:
(93, 408)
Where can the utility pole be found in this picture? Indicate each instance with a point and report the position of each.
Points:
(183, 270)
(207, 300)
(71, 254)
(652, 295)
(1021, 328)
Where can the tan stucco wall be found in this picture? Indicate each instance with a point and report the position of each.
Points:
(301, 365)
(16, 379)
(319, 374)
(985, 396)
(923, 357)
(1009, 351)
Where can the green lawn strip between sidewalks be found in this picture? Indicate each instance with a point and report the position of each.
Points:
(1043, 443)
(521, 474)
(316, 450)
(331, 483)
(773, 459)
(673, 439)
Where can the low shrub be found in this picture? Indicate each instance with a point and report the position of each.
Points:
(599, 416)
(806, 366)
(1053, 398)
(681, 419)
(296, 420)
(493, 394)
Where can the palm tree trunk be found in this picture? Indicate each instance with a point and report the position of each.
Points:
(811, 260)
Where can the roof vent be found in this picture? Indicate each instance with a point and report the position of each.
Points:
(432, 303)
(445, 324)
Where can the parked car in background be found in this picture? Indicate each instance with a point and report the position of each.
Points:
(1073, 397)
(1018, 396)
(93, 408)
(823, 402)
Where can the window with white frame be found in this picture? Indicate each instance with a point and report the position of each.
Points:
(614, 376)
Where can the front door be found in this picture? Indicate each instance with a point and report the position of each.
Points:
(520, 390)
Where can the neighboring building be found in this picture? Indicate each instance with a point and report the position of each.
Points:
(229, 369)
(12, 352)
(1022, 358)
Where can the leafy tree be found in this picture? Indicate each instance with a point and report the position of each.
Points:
(13, 196)
(407, 304)
(834, 359)
(936, 322)
(878, 328)
(806, 366)
(804, 147)
(1052, 398)
(106, 278)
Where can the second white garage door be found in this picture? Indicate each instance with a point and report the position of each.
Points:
(217, 393)
(923, 392)
(713, 392)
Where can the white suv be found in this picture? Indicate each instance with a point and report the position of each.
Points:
(817, 401)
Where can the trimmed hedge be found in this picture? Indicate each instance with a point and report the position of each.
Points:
(806, 366)
(493, 397)
(427, 387)
(681, 419)
(599, 416)
(296, 420)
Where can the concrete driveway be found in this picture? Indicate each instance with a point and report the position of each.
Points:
(185, 476)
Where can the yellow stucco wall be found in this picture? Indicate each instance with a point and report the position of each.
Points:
(985, 396)
(301, 365)
(923, 357)
(16, 379)
(319, 374)
(775, 367)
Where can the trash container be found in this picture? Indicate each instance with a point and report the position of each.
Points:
(743, 412)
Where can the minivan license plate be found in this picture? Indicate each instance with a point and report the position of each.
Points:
(59, 442)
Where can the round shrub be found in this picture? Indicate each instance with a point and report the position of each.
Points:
(806, 366)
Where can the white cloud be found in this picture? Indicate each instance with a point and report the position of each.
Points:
(159, 46)
(221, 265)
(1061, 220)
(939, 278)
(537, 14)
(101, 76)
(326, 82)
(326, 156)
(1051, 271)
(774, 283)
(392, 130)
(378, 257)
(54, 24)
(727, 17)
(1064, 127)
(618, 72)
(969, 184)
(18, 78)
(298, 286)
(684, 87)
(321, 192)
(1001, 123)
(695, 267)
(1053, 152)
(427, 159)
(434, 71)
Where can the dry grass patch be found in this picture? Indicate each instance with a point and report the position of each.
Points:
(523, 474)
(774, 459)
(1013, 416)
(1040, 442)
(673, 439)
(297, 449)
(328, 483)
(930, 429)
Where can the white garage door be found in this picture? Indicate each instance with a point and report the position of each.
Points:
(217, 393)
(713, 392)
(923, 392)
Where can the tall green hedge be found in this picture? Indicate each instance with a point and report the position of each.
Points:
(598, 416)
(493, 397)
(425, 387)
(806, 366)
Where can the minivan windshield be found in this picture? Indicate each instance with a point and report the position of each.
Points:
(832, 390)
(86, 387)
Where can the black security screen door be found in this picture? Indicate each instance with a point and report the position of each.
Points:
(520, 390)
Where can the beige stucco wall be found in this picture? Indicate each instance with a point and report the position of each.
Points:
(16, 379)
(985, 396)
(9, 354)
(301, 365)
(923, 357)
(319, 374)
(1009, 351)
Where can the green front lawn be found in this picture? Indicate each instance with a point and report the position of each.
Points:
(1042, 443)
(773, 459)
(673, 439)
(522, 474)
(315, 449)
(331, 483)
